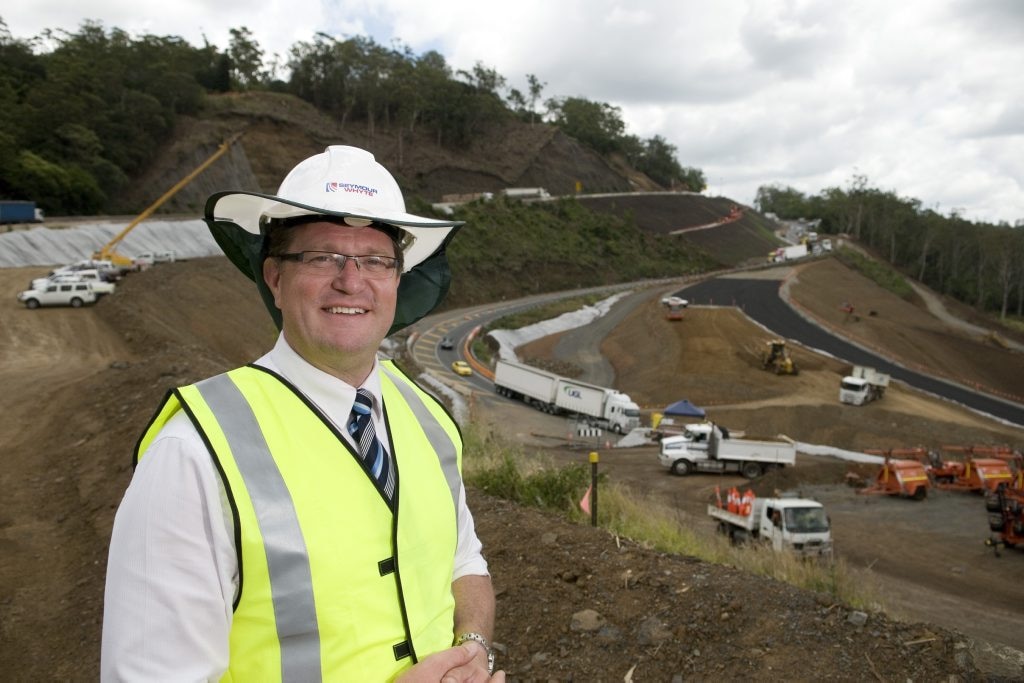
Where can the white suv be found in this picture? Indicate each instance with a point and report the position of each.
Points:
(74, 294)
(100, 285)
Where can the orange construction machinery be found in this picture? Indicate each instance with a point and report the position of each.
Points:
(972, 473)
(1005, 507)
(900, 476)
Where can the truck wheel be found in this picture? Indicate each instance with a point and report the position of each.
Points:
(32, 303)
(920, 493)
(751, 470)
(76, 303)
(681, 468)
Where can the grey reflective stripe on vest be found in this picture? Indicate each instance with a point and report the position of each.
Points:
(291, 582)
(436, 435)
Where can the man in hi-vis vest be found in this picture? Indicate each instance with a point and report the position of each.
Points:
(303, 518)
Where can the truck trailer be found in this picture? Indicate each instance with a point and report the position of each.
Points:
(706, 447)
(796, 525)
(862, 385)
(552, 393)
(19, 212)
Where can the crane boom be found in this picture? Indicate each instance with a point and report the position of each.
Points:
(107, 251)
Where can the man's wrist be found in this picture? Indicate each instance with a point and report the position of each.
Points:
(481, 640)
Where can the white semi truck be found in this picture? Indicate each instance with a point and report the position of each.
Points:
(862, 385)
(551, 393)
(705, 447)
(794, 524)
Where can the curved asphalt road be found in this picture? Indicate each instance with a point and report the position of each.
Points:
(760, 300)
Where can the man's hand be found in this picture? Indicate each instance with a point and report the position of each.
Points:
(466, 663)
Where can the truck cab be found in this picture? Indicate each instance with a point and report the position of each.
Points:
(854, 390)
(862, 385)
(622, 413)
(694, 439)
(795, 524)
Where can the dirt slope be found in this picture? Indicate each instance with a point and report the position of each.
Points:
(280, 130)
(82, 384)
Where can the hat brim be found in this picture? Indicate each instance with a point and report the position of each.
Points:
(423, 285)
(245, 209)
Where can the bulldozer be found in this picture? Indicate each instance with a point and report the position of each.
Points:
(777, 359)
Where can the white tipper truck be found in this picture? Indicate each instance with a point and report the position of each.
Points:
(862, 385)
(705, 447)
(794, 524)
(551, 393)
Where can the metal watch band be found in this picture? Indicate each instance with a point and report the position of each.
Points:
(479, 638)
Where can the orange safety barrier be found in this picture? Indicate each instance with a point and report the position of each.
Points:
(734, 500)
(747, 503)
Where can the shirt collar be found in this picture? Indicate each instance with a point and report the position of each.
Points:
(332, 395)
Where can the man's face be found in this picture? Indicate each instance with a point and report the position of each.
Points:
(335, 320)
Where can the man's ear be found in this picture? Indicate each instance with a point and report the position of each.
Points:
(272, 276)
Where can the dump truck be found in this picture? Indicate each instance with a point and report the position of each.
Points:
(552, 393)
(862, 385)
(706, 447)
(797, 525)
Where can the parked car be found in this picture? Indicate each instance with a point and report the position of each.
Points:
(461, 367)
(148, 258)
(100, 284)
(447, 343)
(74, 294)
(105, 268)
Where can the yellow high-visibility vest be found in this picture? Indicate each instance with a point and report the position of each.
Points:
(333, 584)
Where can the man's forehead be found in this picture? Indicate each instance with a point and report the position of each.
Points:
(335, 227)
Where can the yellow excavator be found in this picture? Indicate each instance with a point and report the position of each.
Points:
(777, 359)
(108, 253)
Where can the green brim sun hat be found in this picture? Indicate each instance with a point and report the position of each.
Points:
(345, 183)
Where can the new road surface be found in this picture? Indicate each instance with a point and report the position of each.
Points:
(760, 300)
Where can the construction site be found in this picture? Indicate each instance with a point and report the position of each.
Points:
(930, 519)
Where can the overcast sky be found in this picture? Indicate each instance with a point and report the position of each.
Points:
(923, 97)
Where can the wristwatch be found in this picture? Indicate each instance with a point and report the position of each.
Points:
(463, 637)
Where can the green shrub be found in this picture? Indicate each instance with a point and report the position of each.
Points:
(876, 271)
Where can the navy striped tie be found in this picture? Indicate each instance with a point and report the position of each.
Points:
(360, 426)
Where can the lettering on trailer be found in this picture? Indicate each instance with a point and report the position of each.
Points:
(572, 392)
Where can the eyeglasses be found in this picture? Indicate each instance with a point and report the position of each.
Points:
(327, 262)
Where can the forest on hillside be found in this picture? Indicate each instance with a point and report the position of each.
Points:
(85, 111)
(979, 264)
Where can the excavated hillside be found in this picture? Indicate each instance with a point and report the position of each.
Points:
(280, 130)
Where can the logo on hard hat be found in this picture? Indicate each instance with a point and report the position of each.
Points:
(351, 187)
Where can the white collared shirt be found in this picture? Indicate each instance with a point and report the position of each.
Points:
(172, 571)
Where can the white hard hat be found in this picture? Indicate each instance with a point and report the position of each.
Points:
(347, 183)
(341, 181)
